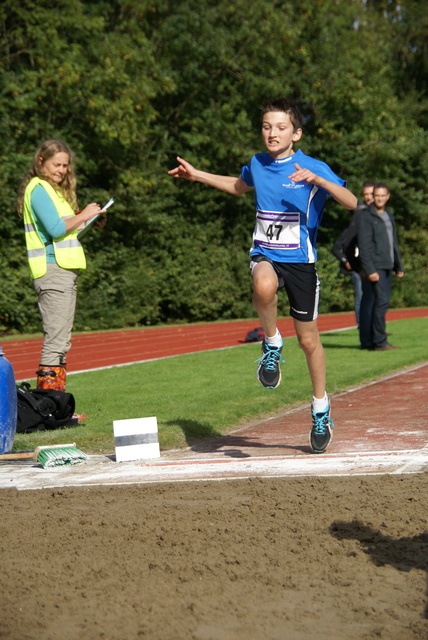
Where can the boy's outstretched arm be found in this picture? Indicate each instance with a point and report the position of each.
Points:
(229, 184)
(342, 195)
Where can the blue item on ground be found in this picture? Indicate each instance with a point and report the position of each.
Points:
(8, 404)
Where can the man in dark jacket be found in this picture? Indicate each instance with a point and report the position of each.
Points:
(346, 250)
(380, 256)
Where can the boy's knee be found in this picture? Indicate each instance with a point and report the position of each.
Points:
(264, 289)
(309, 343)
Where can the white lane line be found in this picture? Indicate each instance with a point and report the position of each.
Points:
(101, 470)
(415, 465)
(187, 353)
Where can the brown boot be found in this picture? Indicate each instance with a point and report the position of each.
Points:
(51, 377)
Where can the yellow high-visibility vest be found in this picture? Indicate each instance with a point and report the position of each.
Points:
(69, 252)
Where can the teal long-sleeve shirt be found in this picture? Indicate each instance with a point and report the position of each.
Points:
(48, 222)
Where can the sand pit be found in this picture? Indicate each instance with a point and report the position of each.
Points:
(334, 558)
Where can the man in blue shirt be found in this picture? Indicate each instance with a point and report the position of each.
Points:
(290, 192)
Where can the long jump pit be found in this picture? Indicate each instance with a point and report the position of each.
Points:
(245, 536)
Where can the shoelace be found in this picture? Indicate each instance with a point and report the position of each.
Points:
(320, 423)
(270, 359)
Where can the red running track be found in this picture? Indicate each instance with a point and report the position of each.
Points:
(108, 349)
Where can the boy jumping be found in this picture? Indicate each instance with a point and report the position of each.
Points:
(290, 192)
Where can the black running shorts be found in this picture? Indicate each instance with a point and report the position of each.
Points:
(300, 281)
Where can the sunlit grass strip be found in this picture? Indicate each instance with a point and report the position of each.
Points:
(210, 393)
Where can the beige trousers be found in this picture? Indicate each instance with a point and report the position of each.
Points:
(56, 292)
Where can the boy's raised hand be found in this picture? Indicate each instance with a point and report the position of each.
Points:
(342, 195)
(303, 175)
(184, 170)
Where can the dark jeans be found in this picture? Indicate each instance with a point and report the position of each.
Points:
(358, 293)
(374, 305)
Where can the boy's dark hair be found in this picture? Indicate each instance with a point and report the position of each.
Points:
(380, 185)
(287, 106)
(369, 183)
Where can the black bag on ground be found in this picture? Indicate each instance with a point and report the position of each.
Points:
(256, 335)
(41, 409)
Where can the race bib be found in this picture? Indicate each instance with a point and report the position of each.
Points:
(277, 230)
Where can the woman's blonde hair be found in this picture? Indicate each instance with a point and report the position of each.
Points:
(67, 188)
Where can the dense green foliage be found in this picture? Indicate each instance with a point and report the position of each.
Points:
(131, 84)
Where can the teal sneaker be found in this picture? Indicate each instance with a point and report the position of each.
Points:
(322, 431)
(268, 371)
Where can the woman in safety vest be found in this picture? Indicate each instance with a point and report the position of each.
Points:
(47, 202)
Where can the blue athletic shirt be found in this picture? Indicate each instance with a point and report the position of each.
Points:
(288, 213)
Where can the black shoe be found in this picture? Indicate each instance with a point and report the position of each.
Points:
(269, 372)
(322, 431)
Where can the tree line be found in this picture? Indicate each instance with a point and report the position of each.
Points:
(131, 84)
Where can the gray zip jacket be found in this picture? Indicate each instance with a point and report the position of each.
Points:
(373, 242)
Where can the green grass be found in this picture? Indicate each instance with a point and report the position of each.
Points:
(211, 393)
